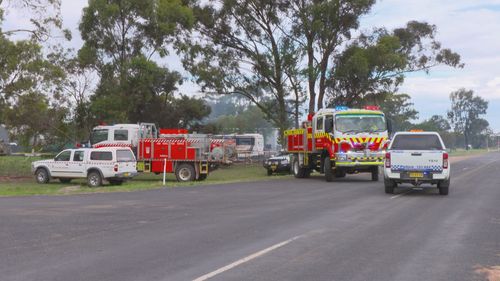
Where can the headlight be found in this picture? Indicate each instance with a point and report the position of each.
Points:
(342, 157)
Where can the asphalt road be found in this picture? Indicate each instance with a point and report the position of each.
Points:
(298, 229)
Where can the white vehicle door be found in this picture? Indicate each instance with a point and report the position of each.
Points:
(60, 166)
(76, 168)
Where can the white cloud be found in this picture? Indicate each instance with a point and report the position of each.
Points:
(467, 27)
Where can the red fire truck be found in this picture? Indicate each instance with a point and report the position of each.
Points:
(189, 156)
(339, 141)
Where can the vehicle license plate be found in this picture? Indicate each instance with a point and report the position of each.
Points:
(127, 174)
(416, 175)
(273, 167)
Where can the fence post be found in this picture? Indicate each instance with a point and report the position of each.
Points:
(164, 170)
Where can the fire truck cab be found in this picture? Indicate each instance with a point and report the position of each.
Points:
(339, 141)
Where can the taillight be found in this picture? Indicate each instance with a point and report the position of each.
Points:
(445, 160)
(388, 160)
(116, 168)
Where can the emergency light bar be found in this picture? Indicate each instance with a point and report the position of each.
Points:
(341, 108)
(372, 107)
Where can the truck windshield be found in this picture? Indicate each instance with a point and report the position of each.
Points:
(351, 123)
(416, 142)
(98, 135)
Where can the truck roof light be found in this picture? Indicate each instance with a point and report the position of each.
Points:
(341, 108)
(372, 107)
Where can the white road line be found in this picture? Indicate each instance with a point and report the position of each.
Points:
(401, 194)
(245, 259)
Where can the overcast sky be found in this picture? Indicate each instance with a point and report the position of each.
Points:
(469, 27)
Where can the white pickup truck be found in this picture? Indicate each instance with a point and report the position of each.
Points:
(114, 164)
(417, 158)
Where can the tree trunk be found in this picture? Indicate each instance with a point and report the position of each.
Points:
(296, 110)
(311, 76)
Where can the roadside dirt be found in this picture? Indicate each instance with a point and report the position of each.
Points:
(69, 189)
(14, 178)
(489, 273)
(463, 157)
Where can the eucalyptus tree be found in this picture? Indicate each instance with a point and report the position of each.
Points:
(242, 48)
(123, 39)
(464, 114)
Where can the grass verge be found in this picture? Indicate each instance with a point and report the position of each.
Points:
(18, 181)
(463, 152)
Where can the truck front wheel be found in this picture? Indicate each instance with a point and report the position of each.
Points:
(185, 172)
(375, 173)
(299, 172)
(328, 169)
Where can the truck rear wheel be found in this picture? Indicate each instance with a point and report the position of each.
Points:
(185, 172)
(375, 173)
(327, 167)
(299, 172)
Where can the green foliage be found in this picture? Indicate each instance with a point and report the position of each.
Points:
(240, 48)
(436, 123)
(31, 78)
(248, 121)
(398, 108)
(27, 80)
(116, 31)
(45, 17)
(23, 68)
(20, 166)
(121, 38)
(322, 28)
(271, 52)
(34, 123)
(465, 113)
(377, 63)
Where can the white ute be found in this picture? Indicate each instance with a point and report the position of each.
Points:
(417, 158)
(114, 164)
